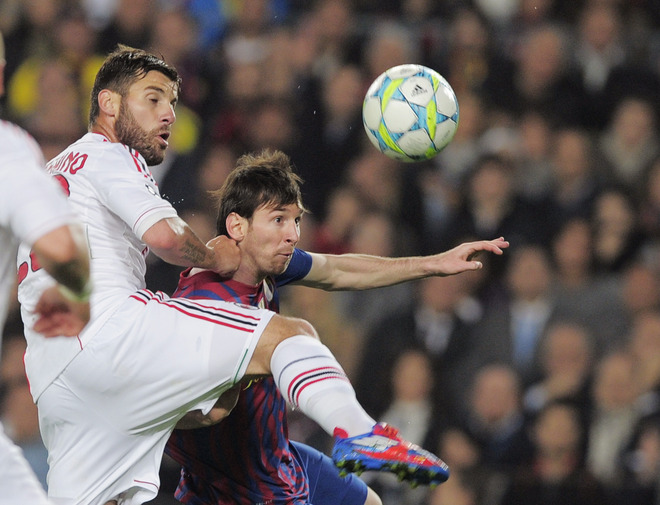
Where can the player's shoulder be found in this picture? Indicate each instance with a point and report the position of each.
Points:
(95, 152)
(98, 144)
(15, 141)
(9, 129)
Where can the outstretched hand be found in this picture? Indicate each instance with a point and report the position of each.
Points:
(60, 316)
(462, 257)
(227, 255)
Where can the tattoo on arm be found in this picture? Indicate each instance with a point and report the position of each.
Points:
(192, 252)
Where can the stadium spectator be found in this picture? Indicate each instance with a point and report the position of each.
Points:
(495, 418)
(613, 421)
(514, 323)
(433, 324)
(554, 474)
(583, 294)
(567, 356)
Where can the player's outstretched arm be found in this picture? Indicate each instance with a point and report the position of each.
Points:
(361, 271)
(64, 308)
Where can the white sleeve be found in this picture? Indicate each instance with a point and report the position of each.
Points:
(32, 204)
(127, 188)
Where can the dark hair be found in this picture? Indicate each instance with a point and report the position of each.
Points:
(124, 66)
(260, 179)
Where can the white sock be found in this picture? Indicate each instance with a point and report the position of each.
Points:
(311, 379)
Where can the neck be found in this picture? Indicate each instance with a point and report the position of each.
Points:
(245, 277)
(105, 130)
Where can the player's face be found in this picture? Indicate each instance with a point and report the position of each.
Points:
(270, 239)
(146, 116)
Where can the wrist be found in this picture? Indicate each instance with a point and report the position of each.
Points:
(81, 296)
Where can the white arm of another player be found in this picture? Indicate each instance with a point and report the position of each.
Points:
(360, 271)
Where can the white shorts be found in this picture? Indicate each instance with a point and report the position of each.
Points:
(105, 420)
(18, 484)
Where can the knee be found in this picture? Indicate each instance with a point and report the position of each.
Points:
(287, 327)
(278, 330)
(297, 327)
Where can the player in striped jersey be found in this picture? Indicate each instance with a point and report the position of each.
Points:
(247, 458)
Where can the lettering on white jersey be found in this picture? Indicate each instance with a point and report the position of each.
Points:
(70, 162)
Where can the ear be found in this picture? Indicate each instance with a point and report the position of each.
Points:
(109, 102)
(236, 226)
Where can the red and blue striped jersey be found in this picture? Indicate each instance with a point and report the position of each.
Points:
(246, 459)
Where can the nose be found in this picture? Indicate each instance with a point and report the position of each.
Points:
(169, 116)
(293, 234)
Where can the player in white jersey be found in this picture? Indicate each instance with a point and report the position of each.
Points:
(109, 400)
(32, 209)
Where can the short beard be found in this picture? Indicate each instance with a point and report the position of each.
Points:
(129, 132)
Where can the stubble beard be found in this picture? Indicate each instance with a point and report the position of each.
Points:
(129, 132)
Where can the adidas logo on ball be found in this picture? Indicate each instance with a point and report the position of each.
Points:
(418, 90)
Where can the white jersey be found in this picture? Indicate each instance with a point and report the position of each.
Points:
(31, 205)
(115, 197)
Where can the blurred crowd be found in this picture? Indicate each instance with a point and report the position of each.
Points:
(537, 378)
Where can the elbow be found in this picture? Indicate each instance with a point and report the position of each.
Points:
(164, 236)
(163, 244)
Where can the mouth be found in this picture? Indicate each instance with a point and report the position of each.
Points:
(164, 136)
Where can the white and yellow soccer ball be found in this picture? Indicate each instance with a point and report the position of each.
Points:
(410, 113)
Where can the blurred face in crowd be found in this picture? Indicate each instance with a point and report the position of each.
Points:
(557, 430)
(495, 395)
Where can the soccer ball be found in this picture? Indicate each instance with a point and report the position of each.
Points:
(410, 113)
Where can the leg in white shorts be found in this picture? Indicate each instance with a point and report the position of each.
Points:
(107, 417)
